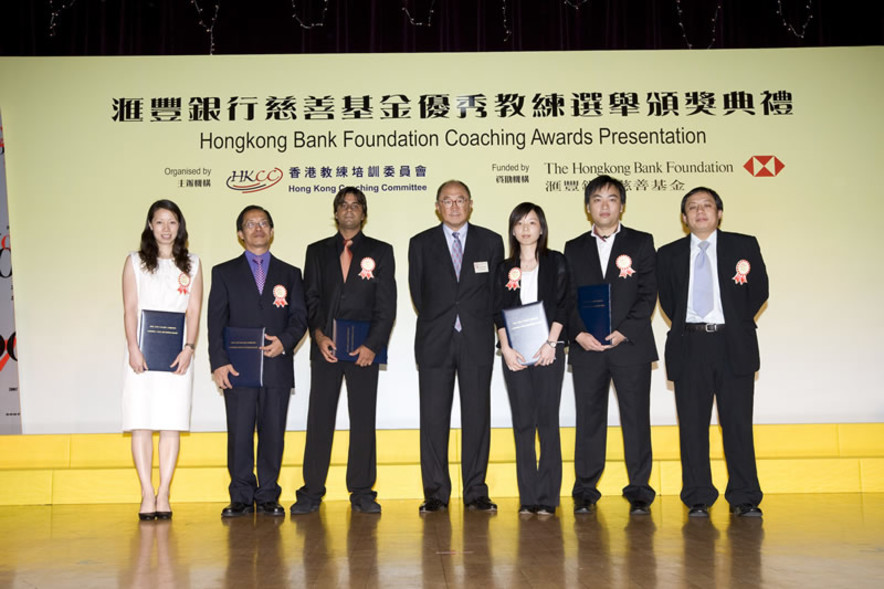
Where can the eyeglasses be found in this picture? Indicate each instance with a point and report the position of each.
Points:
(352, 206)
(448, 203)
(263, 224)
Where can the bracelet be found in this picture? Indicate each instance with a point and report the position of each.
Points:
(191, 346)
(551, 343)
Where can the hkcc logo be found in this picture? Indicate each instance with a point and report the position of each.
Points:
(764, 166)
(248, 181)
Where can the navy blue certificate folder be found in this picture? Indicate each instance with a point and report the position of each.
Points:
(526, 330)
(243, 345)
(594, 307)
(160, 338)
(349, 335)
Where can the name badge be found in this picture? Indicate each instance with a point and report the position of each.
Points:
(480, 267)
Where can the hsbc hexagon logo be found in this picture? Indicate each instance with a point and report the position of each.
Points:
(764, 166)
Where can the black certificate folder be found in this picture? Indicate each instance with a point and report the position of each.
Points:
(349, 335)
(526, 330)
(243, 345)
(594, 306)
(160, 338)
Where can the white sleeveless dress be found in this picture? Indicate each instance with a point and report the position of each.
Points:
(155, 400)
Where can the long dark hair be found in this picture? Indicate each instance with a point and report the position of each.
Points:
(520, 212)
(149, 248)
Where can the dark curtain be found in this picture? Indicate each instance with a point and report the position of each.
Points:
(172, 27)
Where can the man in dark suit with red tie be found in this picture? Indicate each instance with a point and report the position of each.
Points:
(349, 277)
(610, 253)
(256, 290)
(712, 285)
(450, 275)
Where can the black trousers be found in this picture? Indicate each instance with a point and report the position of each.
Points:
(591, 390)
(535, 394)
(707, 376)
(248, 409)
(362, 395)
(436, 396)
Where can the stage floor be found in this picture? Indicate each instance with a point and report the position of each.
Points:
(832, 540)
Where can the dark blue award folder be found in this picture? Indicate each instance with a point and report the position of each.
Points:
(349, 335)
(243, 345)
(160, 338)
(594, 307)
(526, 329)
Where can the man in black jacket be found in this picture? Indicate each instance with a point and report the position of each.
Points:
(712, 284)
(450, 275)
(258, 290)
(348, 277)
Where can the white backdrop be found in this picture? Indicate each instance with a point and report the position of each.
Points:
(93, 141)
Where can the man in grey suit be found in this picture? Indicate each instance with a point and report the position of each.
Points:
(712, 284)
(450, 275)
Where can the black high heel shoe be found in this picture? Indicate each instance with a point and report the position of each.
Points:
(149, 516)
(164, 515)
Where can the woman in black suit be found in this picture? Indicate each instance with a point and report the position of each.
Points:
(534, 273)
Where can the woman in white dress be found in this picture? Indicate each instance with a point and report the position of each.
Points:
(161, 276)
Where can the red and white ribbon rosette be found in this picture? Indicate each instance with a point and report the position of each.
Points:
(743, 268)
(624, 262)
(514, 276)
(183, 282)
(367, 264)
(279, 292)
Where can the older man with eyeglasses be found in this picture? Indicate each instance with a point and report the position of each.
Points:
(450, 275)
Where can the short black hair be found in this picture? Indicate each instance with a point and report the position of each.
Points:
(252, 208)
(718, 203)
(600, 182)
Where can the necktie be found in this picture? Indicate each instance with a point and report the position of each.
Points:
(457, 260)
(260, 277)
(346, 256)
(702, 281)
(457, 254)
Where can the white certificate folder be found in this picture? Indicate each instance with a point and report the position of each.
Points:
(526, 329)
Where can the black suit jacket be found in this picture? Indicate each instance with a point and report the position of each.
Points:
(372, 298)
(234, 300)
(552, 288)
(740, 302)
(633, 297)
(439, 298)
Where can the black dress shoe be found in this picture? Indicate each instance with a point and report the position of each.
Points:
(365, 504)
(432, 505)
(164, 515)
(639, 508)
(746, 510)
(545, 510)
(527, 510)
(482, 504)
(583, 506)
(146, 517)
(303, 507)
(237, 509)
(699, 510)
(270, 508)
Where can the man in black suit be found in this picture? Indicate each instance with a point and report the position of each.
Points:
(256, 290)
(351, 277)
(450, 274)
(623, 258)
(712, 349)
